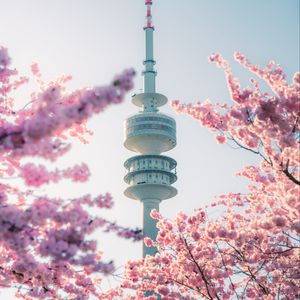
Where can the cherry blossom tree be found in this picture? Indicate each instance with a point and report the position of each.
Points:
(252, 249)
(45, 248)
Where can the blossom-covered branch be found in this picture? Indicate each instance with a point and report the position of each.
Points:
(45, 247)
(251, 249)
(258, 121)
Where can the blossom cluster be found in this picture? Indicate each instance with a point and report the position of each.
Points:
(37, 175)
(46, 250)
(251, 249)
(54, 111)
(263, 123)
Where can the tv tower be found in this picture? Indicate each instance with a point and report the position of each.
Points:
(149, 133)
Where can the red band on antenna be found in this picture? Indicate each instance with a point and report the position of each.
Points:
(149, 14)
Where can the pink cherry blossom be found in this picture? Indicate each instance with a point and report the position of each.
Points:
(148, 242)
(46, 248)
(220, 139)
(243, 246)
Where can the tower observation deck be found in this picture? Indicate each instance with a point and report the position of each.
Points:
(149, 133)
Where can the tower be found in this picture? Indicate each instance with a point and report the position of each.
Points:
(149, 133)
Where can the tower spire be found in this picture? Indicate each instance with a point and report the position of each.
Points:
(149, 62)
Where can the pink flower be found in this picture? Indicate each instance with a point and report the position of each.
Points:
(196, 236)
(222, 232)
(34, 175)
(78, 173)
(148, 242)
(4, 58)
(221, 139)
(155, 214)
(296, 226)
(279, 221)
(35, 69)
(163, 290)
(296, 78)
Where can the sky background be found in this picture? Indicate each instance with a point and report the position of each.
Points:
(95, 39)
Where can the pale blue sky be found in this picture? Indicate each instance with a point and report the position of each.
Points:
(94, 39)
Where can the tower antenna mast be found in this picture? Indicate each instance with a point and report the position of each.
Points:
(149, 62)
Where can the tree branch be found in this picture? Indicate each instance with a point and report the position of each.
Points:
(291, 177)
(201, 272)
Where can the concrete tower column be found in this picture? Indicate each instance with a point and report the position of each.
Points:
(149, 133)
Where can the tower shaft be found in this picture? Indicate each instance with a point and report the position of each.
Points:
(149, 225)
